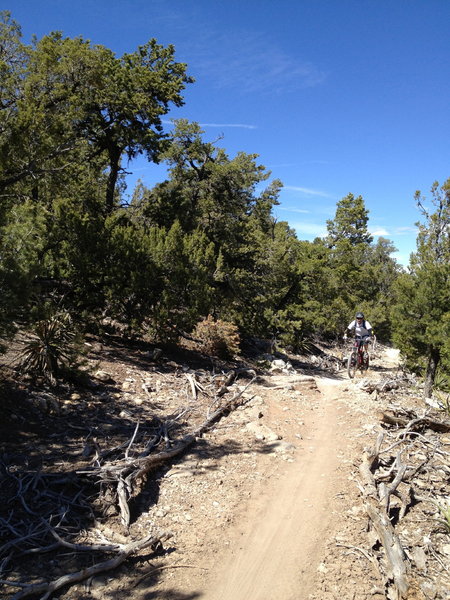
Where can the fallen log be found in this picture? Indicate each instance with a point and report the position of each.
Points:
(395, 555)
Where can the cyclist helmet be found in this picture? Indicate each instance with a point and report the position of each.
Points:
(359, 315)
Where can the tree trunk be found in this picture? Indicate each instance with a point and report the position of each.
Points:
(434, 356)
(114, 165)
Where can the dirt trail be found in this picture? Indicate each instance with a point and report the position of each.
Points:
(269, 508)
(286, 517)
(282, 544)
(265, 505)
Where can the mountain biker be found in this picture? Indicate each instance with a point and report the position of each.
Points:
(363, 329)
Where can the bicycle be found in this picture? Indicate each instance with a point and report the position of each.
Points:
(359, 358)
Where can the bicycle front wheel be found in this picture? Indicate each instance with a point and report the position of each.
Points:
(352, 364)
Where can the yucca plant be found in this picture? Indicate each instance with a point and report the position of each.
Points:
(50, 344)
(442, 381)
(442, 391)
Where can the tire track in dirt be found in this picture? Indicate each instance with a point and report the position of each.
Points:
(282, 542)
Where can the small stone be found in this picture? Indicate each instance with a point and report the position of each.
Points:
(282, 447)
(419, 557)
(104, 376)
(277, 366)
(99, 581)
(262, 432)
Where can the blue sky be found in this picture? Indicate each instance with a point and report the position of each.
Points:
(336, 96)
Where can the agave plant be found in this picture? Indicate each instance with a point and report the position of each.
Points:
(49, 345)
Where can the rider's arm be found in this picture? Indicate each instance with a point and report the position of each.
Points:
(347, 332)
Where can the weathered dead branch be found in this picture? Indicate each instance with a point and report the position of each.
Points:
(49, 510)
(193, 385)
(386, 385)
(228, 381)
(392, 479)
(376, 506)
(425, 422)
(128, 471)
(47, 588)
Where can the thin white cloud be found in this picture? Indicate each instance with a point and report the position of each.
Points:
(394, 231)
(240, 125)
(281, 165)
(402, 258)
(310, 229)
(250, 63)
(297, 164)
(406, 230)
(380, 232)
(315, 162)
(294, 210)
(307, 191)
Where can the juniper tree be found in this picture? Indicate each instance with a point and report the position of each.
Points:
(422, 311)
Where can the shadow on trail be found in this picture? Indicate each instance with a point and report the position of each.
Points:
(341, 375)
(170, 595)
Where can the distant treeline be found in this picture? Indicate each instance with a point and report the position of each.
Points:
(202, 242)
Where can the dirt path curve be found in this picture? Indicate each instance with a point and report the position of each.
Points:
(280, 519)
(282, 545)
